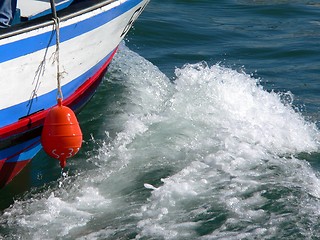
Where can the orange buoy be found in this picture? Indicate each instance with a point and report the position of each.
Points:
(61, 136)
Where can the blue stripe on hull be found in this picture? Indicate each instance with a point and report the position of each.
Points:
(22, 152)
(25, 46)
(43, 102)
(28, 149)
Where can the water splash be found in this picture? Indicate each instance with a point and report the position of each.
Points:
(210, 155)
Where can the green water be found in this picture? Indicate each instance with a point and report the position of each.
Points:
(205, 127)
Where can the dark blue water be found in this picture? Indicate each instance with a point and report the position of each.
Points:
(206, 127)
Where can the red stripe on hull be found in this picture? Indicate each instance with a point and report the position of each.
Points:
(10, 170)
(36, 120)
(1, 163)
(26, 128)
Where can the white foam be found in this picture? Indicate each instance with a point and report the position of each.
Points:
(234, 133)
(212, 147)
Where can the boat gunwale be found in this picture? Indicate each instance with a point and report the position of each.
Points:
(46, 20)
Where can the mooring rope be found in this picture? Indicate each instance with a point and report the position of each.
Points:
(56, 21)
(57, 56)
(41, 68)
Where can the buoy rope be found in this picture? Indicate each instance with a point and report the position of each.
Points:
(39, 73)
(57, 26)
(56, 21)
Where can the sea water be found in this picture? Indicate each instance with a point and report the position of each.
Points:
(205, 127)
